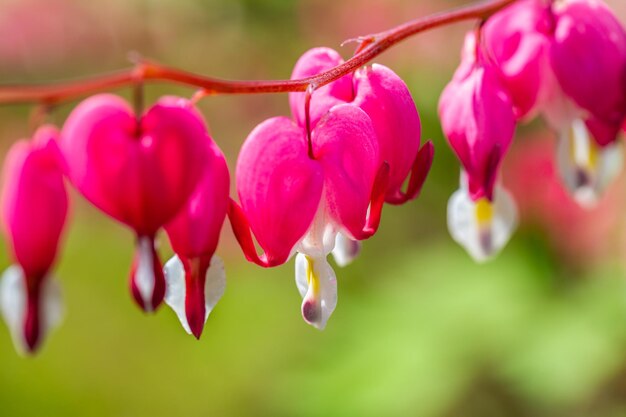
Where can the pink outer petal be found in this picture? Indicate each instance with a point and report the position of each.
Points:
(311, 63)
(279, 186)
(195, 230)
(478, 121)
(345, 144)
(34, 201)
(516, 39)
(589, 59)
(419, 172)
(141, 176)
(387, 101)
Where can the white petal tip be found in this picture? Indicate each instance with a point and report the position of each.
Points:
(586, 168)
(176, 293)
(483, 228)
(346, 250)
(14, 307)
(317, 284)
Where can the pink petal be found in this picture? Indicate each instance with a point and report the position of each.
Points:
(517, 40)
(589, 59)
(345, 144)
(311, 63)
(478, 121)
(387, 101)
(195, 230)
(34, 202)
(140, 175)
(279, 187)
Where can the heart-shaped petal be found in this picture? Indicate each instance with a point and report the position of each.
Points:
(139, 172)
(517, 41)
(388, 102)
(279, 186)
(344, 143)
(588, 56)
(34, 201)
(478, 120)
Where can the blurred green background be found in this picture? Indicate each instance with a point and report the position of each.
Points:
(420, 329)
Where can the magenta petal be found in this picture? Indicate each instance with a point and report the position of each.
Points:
(345, 143)
(34, 202)
(279, 186)
(516, 39)
(195, 230)
(589, 59)
(311, 63)
(140, 175)
(478, 120)
(387, 101)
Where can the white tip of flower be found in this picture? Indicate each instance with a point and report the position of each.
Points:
(317, 284)
(176, 289)
(144, 275)
(346, 250)
(586, 168)
(14, 308)
(483, 228)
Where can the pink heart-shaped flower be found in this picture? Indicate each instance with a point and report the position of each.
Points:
(138, 171)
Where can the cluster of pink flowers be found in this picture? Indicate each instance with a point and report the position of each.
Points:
(564, 60)
(312, 184)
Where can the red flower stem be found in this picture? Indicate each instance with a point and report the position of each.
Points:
(376, 44)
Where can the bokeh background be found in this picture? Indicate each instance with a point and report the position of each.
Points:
(420, 329)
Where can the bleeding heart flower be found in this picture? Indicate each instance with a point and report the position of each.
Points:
(477, 118)
(567, 59)
(140, 170)
(34, 210)
(298, 195)
(386, 99)
(588, 57)
(195, 275)
(517, 40)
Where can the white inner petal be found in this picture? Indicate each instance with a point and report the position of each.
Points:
(176, 289)
(346, 250)
(13, 305)
(319, 240)
(586, 168)
(144, 275)
(317, 285)
(481, 227)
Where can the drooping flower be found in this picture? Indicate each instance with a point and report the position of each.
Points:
(386, 99)
(517, 41)
(297, 193)
(567, 60)
(138, 169)
(195, 275)
(34, 211)
(477, 118)
(588, 57)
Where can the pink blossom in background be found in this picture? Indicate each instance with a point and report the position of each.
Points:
(579, 234)
(478, 121)
(34, 210)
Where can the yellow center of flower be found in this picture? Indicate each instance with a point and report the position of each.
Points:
(484, 211)
(583, 150)
(311, 278)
